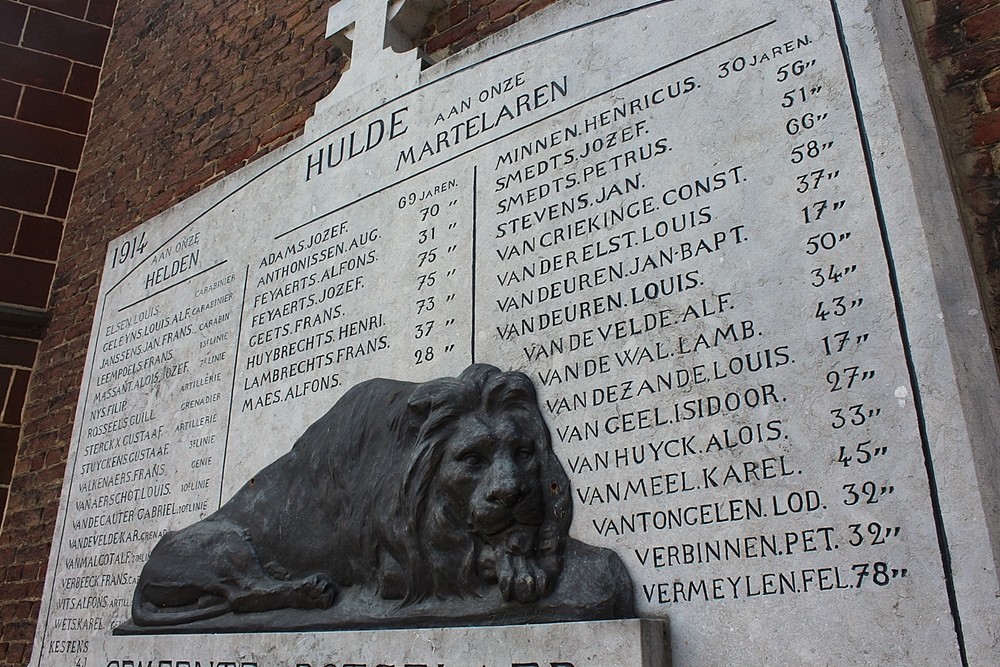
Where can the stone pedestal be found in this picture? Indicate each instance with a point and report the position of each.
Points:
(625, 643)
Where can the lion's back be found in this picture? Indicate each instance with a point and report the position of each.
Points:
(342, 472)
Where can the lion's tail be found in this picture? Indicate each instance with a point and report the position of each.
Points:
(148, 615)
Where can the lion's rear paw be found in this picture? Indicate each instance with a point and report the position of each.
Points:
(318, 592)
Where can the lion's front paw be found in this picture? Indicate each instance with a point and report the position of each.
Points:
(277, 571)
(522, 579)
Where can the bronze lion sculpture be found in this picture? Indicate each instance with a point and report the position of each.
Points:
(415, 493)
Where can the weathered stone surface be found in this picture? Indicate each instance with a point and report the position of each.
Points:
(705, 239)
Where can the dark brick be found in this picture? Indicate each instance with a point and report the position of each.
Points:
(18, 352)
(8, 230)
(950, 11)
(26, 185)
(982, 26)
(19, 630)
(75, 8)
(992, 90)
(16, 397)
(10, 651)
(25, 281)
(64, 36)
(5, 376)
(61, 193)
(532, 7)
(12, 17)
(456, 32)
(54, 110)
(33, 69)
(102, 11)
(40, 144)
(502, 8)
(38, 237)
(986, 129)
(10, 93)
(83, 81)
(14, 572)
(974, 63)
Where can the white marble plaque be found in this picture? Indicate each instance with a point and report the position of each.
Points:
(694, 225)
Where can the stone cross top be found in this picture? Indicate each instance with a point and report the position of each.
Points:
(378, 37)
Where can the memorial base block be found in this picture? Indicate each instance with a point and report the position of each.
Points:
(623, 643)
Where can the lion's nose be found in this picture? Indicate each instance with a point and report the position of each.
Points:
(506, 495)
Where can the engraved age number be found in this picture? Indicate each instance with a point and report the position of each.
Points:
(433, 272)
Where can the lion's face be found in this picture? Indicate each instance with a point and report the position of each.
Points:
(488, 501)
(489, 479)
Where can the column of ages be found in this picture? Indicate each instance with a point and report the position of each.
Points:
(838, 220)
(434, 218)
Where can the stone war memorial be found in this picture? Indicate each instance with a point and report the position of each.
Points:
(629, 336)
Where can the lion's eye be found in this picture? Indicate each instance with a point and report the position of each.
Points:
(472, 459)
(525, 453)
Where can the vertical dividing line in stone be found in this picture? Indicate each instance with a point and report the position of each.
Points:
(475, 188)
(232, 388)
(949, 578)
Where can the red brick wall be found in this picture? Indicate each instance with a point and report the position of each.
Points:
(50, 57)
(465, 22)
(960, 45)
(192, 91)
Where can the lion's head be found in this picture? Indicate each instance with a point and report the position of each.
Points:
(487, 499)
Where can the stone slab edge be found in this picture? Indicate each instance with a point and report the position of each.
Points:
(622, 643)
(951, 355)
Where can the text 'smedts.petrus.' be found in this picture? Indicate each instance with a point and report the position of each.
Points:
(443, 497)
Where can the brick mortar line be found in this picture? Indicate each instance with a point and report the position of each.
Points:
(25, 86)
(42, 164)
(6, 401)
(82, 135)
(20, 211)
(60, 56)
(46, 10)
(40, 260)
